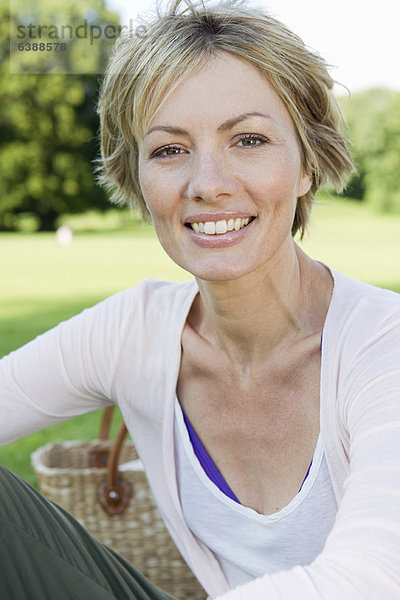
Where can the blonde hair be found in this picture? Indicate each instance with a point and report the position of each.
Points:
(148, 64)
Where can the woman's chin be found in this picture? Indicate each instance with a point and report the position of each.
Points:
(219, 271)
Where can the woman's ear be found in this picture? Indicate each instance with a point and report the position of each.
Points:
(305, 183)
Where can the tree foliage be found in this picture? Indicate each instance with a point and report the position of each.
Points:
(48, 125)
(48, 129)
(373, 117)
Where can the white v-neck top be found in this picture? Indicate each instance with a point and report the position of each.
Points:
(248, 544)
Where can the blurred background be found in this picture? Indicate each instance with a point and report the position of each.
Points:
(63, 247)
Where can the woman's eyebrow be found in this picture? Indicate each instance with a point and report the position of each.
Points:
(225, 126)
(230, 123)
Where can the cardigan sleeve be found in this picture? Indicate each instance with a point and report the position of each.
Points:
(361, 558)
(65, 372)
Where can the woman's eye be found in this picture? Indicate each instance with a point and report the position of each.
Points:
(251, 140)
(245, 141)
(166, 151)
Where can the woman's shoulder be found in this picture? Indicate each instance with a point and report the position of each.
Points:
(146, 304)
(143, 305)
(360, 310)
(361, 297)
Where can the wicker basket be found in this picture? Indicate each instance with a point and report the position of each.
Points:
(68, 475)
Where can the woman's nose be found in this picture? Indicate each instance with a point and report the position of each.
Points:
(210, 178)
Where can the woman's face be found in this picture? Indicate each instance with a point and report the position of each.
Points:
(220, 170)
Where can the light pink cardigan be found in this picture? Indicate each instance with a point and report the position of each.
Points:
(126, 350)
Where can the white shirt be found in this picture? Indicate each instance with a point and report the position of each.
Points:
(246, 543)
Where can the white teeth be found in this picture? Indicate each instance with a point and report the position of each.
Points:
(220, 227)
(209, 227)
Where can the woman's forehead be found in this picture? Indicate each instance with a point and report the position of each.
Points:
(226, 86)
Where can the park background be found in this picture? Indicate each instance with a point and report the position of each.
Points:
(48, 142)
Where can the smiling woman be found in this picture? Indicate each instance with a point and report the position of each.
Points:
(142, 76)
(263, 396)
(222, 170)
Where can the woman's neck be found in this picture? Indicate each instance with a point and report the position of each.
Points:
(250, 317)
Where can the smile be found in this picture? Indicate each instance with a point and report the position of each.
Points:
(220, 227)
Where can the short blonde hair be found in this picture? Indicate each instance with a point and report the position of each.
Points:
(148, 64)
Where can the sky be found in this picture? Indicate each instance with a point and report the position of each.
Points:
(358, 38)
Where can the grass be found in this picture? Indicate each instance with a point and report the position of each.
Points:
(44, 283)
(357, 241)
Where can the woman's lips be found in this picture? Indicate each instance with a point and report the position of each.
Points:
(219, 233)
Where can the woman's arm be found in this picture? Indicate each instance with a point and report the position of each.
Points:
(65, 372)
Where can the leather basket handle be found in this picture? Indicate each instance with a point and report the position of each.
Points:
(106, 423)
(114, 492)
(98, 456)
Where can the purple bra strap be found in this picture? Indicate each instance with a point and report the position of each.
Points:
(206, 461)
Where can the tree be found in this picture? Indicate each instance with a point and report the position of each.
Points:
(374, 128)
(48, 129)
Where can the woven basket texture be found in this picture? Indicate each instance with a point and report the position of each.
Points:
(138, 534)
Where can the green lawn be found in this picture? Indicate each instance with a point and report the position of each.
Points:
(353, 239)
(43, 283)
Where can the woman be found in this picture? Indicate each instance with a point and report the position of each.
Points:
(263, 396)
